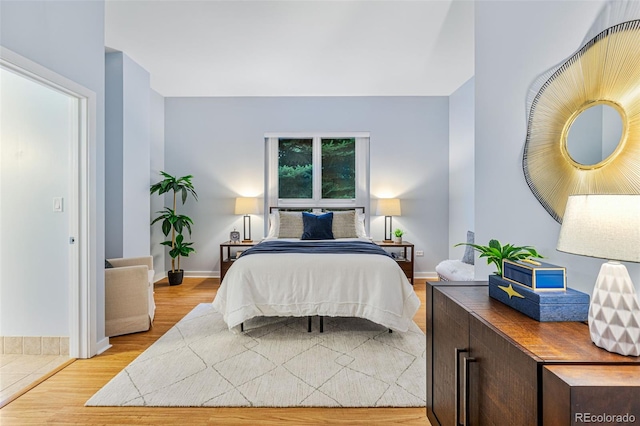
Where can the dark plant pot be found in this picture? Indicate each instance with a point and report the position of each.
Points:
(175, 278)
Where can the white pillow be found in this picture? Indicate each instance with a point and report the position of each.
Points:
(274, 225)
(360, 229)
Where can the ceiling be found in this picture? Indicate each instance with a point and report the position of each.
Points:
(296, 47)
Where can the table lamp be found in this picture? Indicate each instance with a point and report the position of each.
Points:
(608, 227)
(388, 207)
(247, 206)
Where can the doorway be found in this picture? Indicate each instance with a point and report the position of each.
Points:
(46, 289)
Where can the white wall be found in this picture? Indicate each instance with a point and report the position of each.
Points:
(47, 32)
(221, 142)
(461, 167)
(128, 161)
(137, 160)
(114, 173)
(515, 42)
(157, 164)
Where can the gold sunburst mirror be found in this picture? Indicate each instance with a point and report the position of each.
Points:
(583, 129)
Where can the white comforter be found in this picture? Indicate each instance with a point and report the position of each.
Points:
(296, 284)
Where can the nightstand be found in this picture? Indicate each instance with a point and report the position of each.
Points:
(406, 261)
(228, 254)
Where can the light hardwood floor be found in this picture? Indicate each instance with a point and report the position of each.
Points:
(60, 399)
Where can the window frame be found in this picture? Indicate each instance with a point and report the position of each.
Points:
(362, 175)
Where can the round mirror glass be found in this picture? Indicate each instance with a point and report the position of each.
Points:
(594, 135)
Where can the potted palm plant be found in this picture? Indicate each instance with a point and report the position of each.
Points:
(174, 223)
(179, 249)
(496, 252)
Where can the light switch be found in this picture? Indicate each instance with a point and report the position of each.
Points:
(57, 204)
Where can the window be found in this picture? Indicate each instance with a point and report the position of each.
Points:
(338, 168)
(295, 168)
(317, 170)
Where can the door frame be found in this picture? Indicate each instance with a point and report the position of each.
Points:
(82, 253)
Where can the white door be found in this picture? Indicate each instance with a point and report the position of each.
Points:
(38, 128)
(44, 270)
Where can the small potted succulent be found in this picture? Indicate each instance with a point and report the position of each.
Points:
(397, 236)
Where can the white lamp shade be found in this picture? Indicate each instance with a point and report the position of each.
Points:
(604, 226)
(388, 207)
(247, 205)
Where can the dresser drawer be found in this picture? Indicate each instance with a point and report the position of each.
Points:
(590, 394)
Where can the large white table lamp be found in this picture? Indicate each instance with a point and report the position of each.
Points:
(608, 227)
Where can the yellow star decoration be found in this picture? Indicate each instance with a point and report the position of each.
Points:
(510, 291)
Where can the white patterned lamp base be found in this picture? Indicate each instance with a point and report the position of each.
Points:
(614, 312)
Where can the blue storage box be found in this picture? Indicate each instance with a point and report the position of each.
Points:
(561, 305)
(538, 276)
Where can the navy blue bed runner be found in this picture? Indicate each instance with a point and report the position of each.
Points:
(317, 247)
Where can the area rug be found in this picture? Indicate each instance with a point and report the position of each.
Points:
(274, 363)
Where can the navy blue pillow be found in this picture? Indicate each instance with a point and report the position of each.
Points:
(317, 227)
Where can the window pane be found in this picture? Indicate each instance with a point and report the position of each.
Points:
(339, 168)
(295, 168)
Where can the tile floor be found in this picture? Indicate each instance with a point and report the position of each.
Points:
(19, 371)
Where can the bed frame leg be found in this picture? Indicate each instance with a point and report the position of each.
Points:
(321, 324)
(309, 324)
(241, 327)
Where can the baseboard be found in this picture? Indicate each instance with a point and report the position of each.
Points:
(34, 345)
(202, 274)
(190, 274)
(159, 276)
(102, 345)
(429, 275)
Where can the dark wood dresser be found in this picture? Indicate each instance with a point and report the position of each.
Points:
(485, 360)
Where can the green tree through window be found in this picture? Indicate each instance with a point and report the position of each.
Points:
(337, 164)
(338, 168)
(295, 168)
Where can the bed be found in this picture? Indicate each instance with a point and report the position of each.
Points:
(304, 271)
